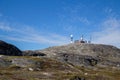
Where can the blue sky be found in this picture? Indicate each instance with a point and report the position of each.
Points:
(38, 24)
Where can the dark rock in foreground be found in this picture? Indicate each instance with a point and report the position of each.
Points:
(9, 49)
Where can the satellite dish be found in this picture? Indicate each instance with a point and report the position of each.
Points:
(71, 35)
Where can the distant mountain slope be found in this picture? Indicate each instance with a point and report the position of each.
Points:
(9, 49)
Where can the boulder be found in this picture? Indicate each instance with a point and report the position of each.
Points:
(77, 78)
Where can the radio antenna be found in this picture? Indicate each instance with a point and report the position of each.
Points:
(71, 38)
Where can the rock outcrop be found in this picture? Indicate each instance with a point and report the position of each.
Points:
(85, 54)
(9, 49)
(68, 62)
(32, 53)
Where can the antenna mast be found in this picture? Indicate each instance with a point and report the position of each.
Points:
(90, 40)
(71, 38)
(81, 38)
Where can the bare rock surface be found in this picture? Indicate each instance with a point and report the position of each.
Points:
(85, 54)
(66, 62)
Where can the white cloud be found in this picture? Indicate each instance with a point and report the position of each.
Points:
(110, 33)
(29, 34)
(84, 20)
(74, 15)
(108, 10)
(5, 27)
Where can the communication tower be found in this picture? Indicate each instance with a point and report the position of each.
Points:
(71, 38)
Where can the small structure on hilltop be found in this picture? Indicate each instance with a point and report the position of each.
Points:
(79, 41)
(71, 38)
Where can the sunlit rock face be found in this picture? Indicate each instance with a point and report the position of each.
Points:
(84, 54)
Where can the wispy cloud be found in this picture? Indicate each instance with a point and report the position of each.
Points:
(74, 15)
(5, 27)
(84, 20)
(31, 35)
(110, 33)
(108, 10)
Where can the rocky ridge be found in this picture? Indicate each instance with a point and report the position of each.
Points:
(85, 54)
(67, 62)
(9, 49)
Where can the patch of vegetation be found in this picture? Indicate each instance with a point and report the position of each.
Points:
(51, 69)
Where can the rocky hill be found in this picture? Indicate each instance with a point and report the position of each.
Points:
(85, 54)
(9, 49)
(67, 62)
